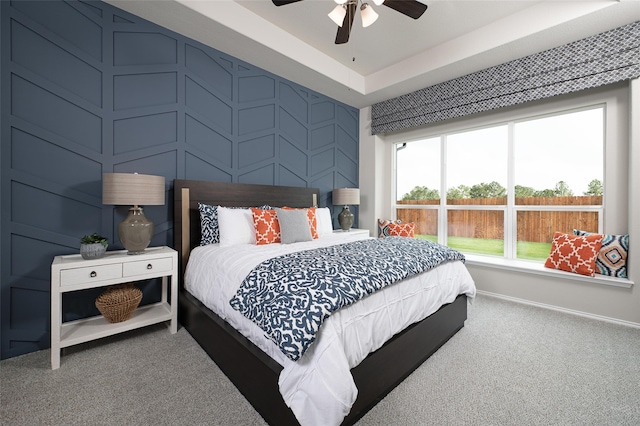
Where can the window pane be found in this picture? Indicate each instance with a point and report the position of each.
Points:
(426, 220)
(535, 230)
(418, 170)
(476, 231)
(560, 159)
(477, 166)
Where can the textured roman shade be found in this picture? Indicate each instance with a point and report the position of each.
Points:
(599, 60)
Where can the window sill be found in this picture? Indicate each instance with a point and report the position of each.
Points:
(539, 269)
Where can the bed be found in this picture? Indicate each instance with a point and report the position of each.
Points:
(257, 374)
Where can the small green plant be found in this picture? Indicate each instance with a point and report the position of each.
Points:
(94, 239)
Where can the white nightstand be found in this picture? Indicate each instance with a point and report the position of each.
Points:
(352, 231)
(71, 273)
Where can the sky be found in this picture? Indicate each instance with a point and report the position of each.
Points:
(567, 147)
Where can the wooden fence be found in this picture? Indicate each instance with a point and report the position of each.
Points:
(534, 226)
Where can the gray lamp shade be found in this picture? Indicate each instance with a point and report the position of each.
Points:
(134, 189)
(346, 197)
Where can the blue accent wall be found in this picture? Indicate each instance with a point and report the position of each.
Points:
(87, 89)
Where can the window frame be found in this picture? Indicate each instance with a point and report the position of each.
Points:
(612, 214)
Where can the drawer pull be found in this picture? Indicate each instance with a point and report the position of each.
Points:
(93, 274)
(149, 266)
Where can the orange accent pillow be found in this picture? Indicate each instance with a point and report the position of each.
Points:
(573, 253)
(402, 229)
(311, 215)
(267, 226)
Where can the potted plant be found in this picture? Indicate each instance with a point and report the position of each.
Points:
(93, 246)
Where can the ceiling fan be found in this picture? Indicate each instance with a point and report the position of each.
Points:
(345, 11)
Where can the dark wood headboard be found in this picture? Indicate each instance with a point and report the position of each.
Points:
(188, 193)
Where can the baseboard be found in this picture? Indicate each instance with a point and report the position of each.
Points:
(559, 309)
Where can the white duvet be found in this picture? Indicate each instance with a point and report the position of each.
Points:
(319, 387)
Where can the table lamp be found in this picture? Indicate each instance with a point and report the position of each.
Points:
(136, 230)
(346, 197)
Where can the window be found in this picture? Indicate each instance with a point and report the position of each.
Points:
(507, 186)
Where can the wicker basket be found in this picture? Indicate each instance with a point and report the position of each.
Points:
(118, 302)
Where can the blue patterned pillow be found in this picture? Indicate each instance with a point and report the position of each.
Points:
(612, 258)
(209, 231)
(209, 228)
(383, 227)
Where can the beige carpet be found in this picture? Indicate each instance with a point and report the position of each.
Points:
(510, 365)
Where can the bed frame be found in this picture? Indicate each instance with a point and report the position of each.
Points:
(253, 372)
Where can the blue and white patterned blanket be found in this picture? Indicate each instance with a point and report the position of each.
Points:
(290, 296)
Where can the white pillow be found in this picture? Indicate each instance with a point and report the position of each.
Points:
(324, 224)
(236, 227)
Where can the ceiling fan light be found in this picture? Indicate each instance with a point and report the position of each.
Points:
(342, 1)
(337, 15)
(377, 2)
(368, 15)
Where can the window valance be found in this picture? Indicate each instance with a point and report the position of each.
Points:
(594, 61)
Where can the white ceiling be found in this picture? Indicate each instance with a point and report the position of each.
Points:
(396, 54)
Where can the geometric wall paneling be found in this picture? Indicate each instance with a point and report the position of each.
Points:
(264, 175)
(54, 163)
(291, 100)
(324, 181)
(88, 89)
(347, 167)
(66, 22)
(322, 111)
(217, 148)
(55, 114)
(160, 164)
(348, 119)
(293, 158)
(288, 178)
(47, 60)
(323, 136)
(135, 133)
(256, 119)
(343, 181)
(256, 151)
(256, 88)
(323, 161)
(296, 131)
(143, 90)
(347, 143)
(43, 210)
(140, 48)
(208, 106)
(35, 319)
(213, 73)
(197, 168)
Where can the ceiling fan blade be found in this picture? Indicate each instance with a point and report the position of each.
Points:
(284, 2)
(343, 32)
(412, 8)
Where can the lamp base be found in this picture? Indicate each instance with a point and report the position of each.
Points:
(345, 219)
(135, 231)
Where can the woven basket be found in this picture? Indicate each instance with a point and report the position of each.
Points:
(118, 302)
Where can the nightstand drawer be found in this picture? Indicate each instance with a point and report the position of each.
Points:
(147, 266)
(91, 273)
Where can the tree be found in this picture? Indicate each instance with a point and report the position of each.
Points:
(595, 188)
(487, 190)
(458, 192)
(562, 189)
(422, 193)
(545, 193)
(524, 191)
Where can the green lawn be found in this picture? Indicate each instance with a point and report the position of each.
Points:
(525, 250)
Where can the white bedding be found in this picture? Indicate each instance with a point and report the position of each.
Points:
(319, 387)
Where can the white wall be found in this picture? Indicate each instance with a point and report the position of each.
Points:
(578, 296)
